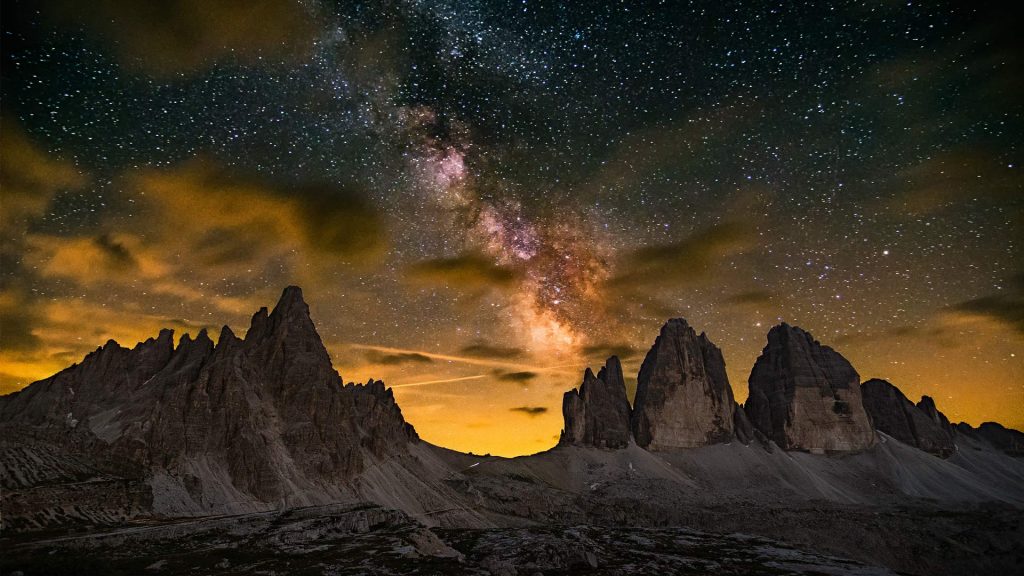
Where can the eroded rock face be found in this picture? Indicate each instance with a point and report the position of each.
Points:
(598, 413)
(683, 396)
(806, 396)
(263, 419)
(891, 412)
(742, 427)
(927, 405)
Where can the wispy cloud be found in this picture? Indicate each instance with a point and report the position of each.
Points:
(531, 411)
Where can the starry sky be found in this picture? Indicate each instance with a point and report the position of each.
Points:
(480, 199)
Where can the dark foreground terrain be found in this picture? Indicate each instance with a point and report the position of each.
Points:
(367, 539)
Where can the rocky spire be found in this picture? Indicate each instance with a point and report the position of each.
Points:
(258, 325)
(927, 405)
(287, 346)
(683, 396)
(806, 396)
(598, 413)
(892, 413)
(227, 339)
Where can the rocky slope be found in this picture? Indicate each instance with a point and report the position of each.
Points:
(598, 413)
(891, 412)
(683, 396)
(805, 396)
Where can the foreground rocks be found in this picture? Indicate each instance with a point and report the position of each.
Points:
(364, 539)
(805, 396)
(683, 396)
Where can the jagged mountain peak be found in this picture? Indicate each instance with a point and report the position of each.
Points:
(291, 300)
(611, 373)
(164, 338)
(263, 419)
(227, 337)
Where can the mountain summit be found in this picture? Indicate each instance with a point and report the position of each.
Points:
(806, 396)
(683, 396)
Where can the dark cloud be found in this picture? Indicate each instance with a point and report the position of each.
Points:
(339, 221)
(531, 411)
(397, 358)
(115, 251)
(939, 335)
(604, 350)
(181, 36)
(468, 272)
(221, 246)
(949, 180)
(1007, 309)
(18, 319)
(751, 298)
(516, 376)
(328, 219)
(485, 350)
(692, 258)
(29, 178)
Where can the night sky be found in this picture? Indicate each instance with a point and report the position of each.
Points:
(480, 199)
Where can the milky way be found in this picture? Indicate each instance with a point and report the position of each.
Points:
(480, 199)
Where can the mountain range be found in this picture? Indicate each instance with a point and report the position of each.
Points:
(163, 434)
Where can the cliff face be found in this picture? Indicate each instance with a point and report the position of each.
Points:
(263, 419)
(806, 396)
(892, 413)
(683, 396)
(598, 413)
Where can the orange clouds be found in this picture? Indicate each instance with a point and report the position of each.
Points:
(196, 226)
(193, 242)
(470, 272)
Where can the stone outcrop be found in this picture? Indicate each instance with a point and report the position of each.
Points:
(260, 419)
(892, 413)
(598, 413)
(927, 405)
(683, 396)
(996, 435)
(742, 427)
(806, 396)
